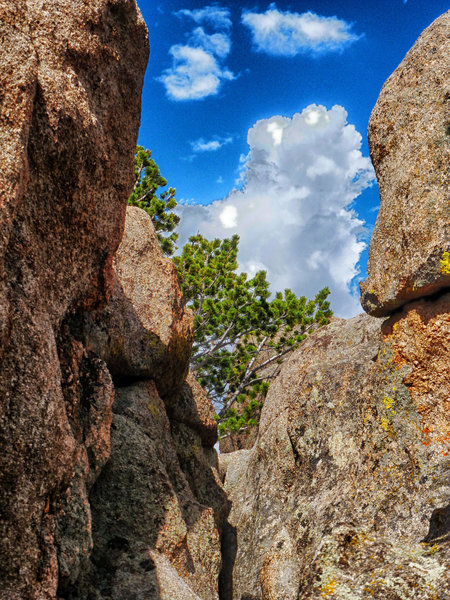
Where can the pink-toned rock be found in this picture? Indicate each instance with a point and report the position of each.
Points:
(419, 336)
(93, 504)
(71, 75)
(145, 330)
(409, 139)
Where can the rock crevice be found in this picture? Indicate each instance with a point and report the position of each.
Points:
(109, 478)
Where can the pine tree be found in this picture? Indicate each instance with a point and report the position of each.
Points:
(241, 335)
(147, 182)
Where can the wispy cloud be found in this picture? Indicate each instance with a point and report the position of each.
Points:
(216, 43)
(217, 16)
(300, 178)
(286, 33)
(202, 145)
(198, 68)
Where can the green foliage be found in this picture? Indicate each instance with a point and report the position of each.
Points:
(241, 336)
(147, 181)
(233, 422)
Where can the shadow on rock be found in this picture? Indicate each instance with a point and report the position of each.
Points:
(158, 506)
(439, 526)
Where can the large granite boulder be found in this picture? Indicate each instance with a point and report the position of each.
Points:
(72, 72)
(145, 330)
(346, 493)
(109, 485)
(409, 140)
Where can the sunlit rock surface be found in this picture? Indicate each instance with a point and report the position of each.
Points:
(103, 493)
(145, 331)
(409, 140)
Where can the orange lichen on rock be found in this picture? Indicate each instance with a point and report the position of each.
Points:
(419, 336)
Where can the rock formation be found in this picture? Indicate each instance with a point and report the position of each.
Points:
(71, 80)
(108, 488)
(158, 504)
(144, 331)
(409, 133)
(346, 492)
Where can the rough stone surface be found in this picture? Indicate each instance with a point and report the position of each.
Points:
(102, 495)
(89, 394)
(346, 493)
(145, 504)
(71, 75)
(148, 524)
(194, 409)
(231, 442)
(145, 330)
(409, 139)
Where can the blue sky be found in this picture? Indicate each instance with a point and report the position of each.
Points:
(257, 114)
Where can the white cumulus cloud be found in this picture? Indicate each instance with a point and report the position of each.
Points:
(284, 33)
(197, 69)
(217, 16)
(216, 43)
(293, 212)
(228, 216)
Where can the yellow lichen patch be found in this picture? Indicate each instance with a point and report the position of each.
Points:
(153, 409)
(328, 588)
(388, 402)
(432, 549)
(388, 405)
(445, 263)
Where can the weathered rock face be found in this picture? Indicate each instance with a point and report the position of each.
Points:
(70, 100)
(409, 139)
(346, 492)
(102, 495)
(146, 508)
(158, 504)
(151, 522)
(144, 332)
(349, 475)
